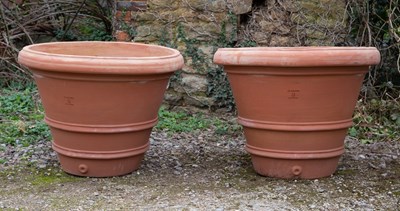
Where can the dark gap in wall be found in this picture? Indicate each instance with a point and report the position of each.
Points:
(259, 3)
(244, 18)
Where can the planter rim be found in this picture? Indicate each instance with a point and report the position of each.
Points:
(130, 58)
(298, 56)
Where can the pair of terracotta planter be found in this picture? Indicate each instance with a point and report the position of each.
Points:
(101, 101)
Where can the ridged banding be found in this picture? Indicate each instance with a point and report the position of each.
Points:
(295, 155)
(87, 128)
(100, 155)
(296, 126)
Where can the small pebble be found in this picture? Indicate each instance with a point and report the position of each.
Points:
(41, 166)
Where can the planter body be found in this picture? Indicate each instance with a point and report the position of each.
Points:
(296, 104)
(101, 100)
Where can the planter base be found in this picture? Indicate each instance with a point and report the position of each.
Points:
(295, 164)
(293, 154)
(91, 155)
(292, 169)
(98, 167)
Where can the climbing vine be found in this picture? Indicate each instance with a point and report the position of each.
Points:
(218, 86)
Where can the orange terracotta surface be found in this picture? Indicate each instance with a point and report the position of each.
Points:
(296, 104)
(101, 100)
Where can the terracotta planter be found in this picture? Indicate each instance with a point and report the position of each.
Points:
(296, 104)
(101, 100)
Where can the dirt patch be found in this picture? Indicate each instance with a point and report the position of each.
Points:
(201, 170)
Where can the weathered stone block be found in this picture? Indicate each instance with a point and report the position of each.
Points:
(208, 51)
(131, 5)
(326, 12)
(207, 5)
(199, 101)
(278, 40)
(194, 83)
(140, 16)
(217, 6)
(268, 26)
(240, 7)
(315, 34)
(261, 38)
(163, 4)
(178, 15)
(148, 33)
(188, 67)
(202, 31)
(216, 17)
(173, 97)
(275, 27)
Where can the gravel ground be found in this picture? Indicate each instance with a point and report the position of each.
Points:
(200, 171)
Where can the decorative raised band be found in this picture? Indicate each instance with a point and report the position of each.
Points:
(296, 126)
(101, 155)
(298, 155)
(88, 128)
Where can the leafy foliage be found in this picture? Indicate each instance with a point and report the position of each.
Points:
(376, 120)
(21, 117)
(181, 121)
(84, 30)
(184, 121)
(192, 50)
(218, 86)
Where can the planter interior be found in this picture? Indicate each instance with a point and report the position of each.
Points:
(101, 100)
(296, 104)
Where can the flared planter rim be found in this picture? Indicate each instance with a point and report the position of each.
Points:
(47, 57)
(297, 56)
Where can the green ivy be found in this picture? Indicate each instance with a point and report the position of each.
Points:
(218, 86)
(192, 50)
(21, 117)
(376, 120)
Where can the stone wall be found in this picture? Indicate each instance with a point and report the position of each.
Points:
(198, 27)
